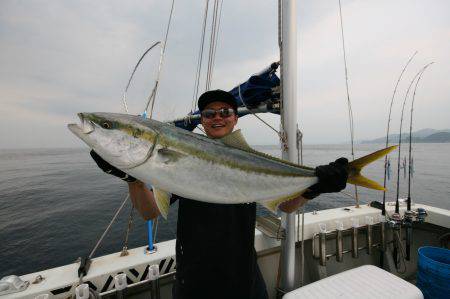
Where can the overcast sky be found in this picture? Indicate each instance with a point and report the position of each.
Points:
(58, 58)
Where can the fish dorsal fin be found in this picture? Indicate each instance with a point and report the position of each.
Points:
(236, 140)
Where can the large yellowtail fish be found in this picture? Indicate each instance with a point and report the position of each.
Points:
(223, 170)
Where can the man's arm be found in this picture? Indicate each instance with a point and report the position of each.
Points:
(143, 200)
(293, 204)
(141, 197)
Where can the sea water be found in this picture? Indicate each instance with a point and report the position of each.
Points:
(56, 203)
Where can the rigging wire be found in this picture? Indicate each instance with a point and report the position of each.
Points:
(410, 141)
(152, 97)
(127, 233)
(383, 209)
(349, 104)
(397, 204)
(200, 56)
(212, 43)
(254, 114)
(124, 96)
(217, 37)
(108, 227)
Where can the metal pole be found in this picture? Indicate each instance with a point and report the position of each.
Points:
(289, 125)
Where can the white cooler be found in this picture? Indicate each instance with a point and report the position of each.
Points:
(363, 282)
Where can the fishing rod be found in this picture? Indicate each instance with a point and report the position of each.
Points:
(408, 214)
(410, 138)
(397, 204)
(349, 103)
(396, 216)
(383, 209)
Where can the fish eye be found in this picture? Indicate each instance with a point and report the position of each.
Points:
(106, 125)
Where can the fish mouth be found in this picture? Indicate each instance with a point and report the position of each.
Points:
(84, 127)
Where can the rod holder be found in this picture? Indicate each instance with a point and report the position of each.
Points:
(355, 225)
(339, 241)
(323, 243)
(120, 284)
(82, 291)
(369, 222)
(153, 276)
(120, 281)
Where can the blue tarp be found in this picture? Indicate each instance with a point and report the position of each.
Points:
(258, 89)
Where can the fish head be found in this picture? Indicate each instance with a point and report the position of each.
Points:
(122, 140)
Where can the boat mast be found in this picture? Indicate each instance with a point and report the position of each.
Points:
(289, 128)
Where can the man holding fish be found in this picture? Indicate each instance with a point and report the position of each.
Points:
(215, 255)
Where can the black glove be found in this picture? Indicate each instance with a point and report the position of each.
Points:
(332, 178)
(108, 168)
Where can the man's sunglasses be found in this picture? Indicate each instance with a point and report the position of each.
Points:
(224, 113)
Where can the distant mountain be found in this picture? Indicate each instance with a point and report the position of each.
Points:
(439, 137)
(420, 136)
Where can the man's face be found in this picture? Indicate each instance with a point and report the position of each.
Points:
(218, 126)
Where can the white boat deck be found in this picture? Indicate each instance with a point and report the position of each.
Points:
(61, 281)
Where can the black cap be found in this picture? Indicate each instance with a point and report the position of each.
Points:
(216, 96)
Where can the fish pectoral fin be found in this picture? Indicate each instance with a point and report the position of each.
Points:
(272, 205)
(162, 199)
(169, 156)
(236, 140)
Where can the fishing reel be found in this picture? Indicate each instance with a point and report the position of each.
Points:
(395, 222)
(411, 216)
(408, 219)
(420, 215)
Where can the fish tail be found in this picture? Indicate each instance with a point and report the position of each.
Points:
(356, 178)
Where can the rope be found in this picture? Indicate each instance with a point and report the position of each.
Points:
(349, 104)
(282, 134)
(299, 146)
(281, 114)
(301, 211)
(402, 252)
(300, 162)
